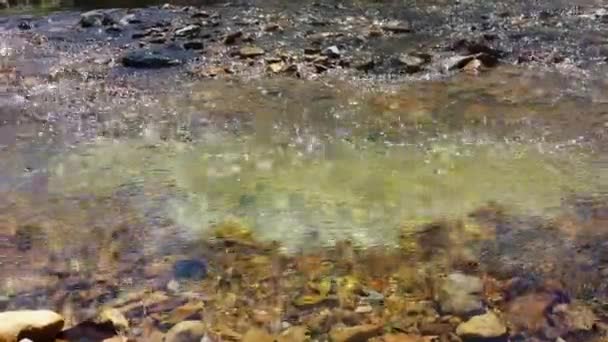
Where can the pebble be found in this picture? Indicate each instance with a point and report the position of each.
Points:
(37, 325)
(486, 326)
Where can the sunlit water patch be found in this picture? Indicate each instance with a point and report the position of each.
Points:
(318, 192)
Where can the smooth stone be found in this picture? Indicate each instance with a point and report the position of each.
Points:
(190, 269)
(37, 325)
(257, 335)
(186, 331)
(251, 51)
(460, 294)
(486, 326)
(148, 59)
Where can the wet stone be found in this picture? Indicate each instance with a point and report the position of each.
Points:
(355, 334)
(186, 331)
(190, 269)
(39, 325)
(148, 59)
(483, 327)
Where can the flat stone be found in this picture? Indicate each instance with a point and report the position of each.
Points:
(190, 269)
(251, 51)
(148, 59)
(36, 325)
(411, 62)
(486, 326)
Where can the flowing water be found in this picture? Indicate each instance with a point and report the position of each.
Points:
(102, 174)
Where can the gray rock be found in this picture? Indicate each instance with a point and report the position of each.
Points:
(37, 325)
(148, 59)
(460, 294)
(95, 18)
(487, 326)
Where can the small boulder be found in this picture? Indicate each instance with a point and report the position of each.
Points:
(36, 325)
(188, 31)
(412, 63)
(332, 52)
(257, 335)
(460, 294)
(486, 326)
(186, 331)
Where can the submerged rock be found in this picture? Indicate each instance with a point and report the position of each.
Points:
(190, 269)
(36, 325)
(486, 326)
(148, 59)
(460, 294)
(354, 334)
(186, 331)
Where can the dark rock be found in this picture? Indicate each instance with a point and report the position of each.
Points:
(397, 27)
(232, 37)
(114, 29)
(148, 59)
(24, 25)
(363, 63)
(190, 269)
(96, 18)
(194, 45)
